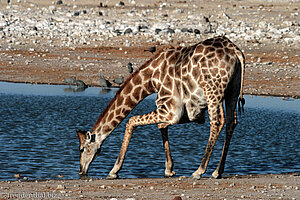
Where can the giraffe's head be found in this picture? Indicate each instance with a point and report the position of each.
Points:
(88, 148)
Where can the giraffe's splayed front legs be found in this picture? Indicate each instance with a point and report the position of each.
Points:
(169, 161)
(150, 118)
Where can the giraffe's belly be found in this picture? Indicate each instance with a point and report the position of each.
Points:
(192, 116)
(195, 107)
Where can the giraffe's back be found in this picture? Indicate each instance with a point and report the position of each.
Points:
(196, 76)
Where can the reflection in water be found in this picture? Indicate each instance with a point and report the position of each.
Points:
(72, 89)
(104, 90)
(38, 136)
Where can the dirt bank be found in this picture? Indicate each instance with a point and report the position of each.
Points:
(45, 42)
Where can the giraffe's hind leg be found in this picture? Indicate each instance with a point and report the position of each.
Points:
(154, 117)
(169, 161)
(217, 120)
(231, 122)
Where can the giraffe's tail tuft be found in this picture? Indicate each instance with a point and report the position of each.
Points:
(241, 104)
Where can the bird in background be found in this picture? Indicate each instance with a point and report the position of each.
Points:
(152, 49)
(130, 68)
(70, 80)
(119, 81)
(80, 84)
(104, 82)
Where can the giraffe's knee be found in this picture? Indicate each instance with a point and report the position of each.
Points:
(131, 123)
(162, 125)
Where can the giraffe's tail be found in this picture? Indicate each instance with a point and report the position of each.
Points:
(241, 57)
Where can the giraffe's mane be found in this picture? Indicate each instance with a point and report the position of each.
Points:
(125, 83)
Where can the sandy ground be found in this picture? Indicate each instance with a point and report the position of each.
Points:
(284, 186)
(272, 69)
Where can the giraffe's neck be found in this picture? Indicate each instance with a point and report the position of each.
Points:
(134, 90)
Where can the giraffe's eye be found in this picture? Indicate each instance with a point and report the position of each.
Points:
(81, 150)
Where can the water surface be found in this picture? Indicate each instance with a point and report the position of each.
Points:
(38, 136)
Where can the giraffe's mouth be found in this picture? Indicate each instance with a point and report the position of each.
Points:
(83, 170)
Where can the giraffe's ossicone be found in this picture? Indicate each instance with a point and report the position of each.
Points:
(188, 81)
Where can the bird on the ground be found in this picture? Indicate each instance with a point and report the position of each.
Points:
(152, 49)
(119, 80)
(104, 82)
(130, 68)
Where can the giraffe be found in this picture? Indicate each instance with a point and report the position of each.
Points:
(188, 81)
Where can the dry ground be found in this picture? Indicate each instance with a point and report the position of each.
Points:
(284, 186)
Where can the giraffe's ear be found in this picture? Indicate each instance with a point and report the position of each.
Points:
(81, 136)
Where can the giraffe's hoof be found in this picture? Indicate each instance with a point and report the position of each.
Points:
(216, 175)
(196, 176)
(170, 174)
(112, 176)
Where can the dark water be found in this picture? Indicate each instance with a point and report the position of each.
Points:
(38, 139)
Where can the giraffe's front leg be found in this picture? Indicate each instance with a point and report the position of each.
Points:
(113, 174)
(153, 117)
(169, 161)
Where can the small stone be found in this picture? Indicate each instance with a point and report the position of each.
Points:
(127, 31)
(17, 176)
(59, 2)
(76, 13)
(52, 8)
(102, 186)
(232, 185)
(151, 188)
(170, 31)
(177, 198)
(197, 31)
(157, 31)
(61, 187)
